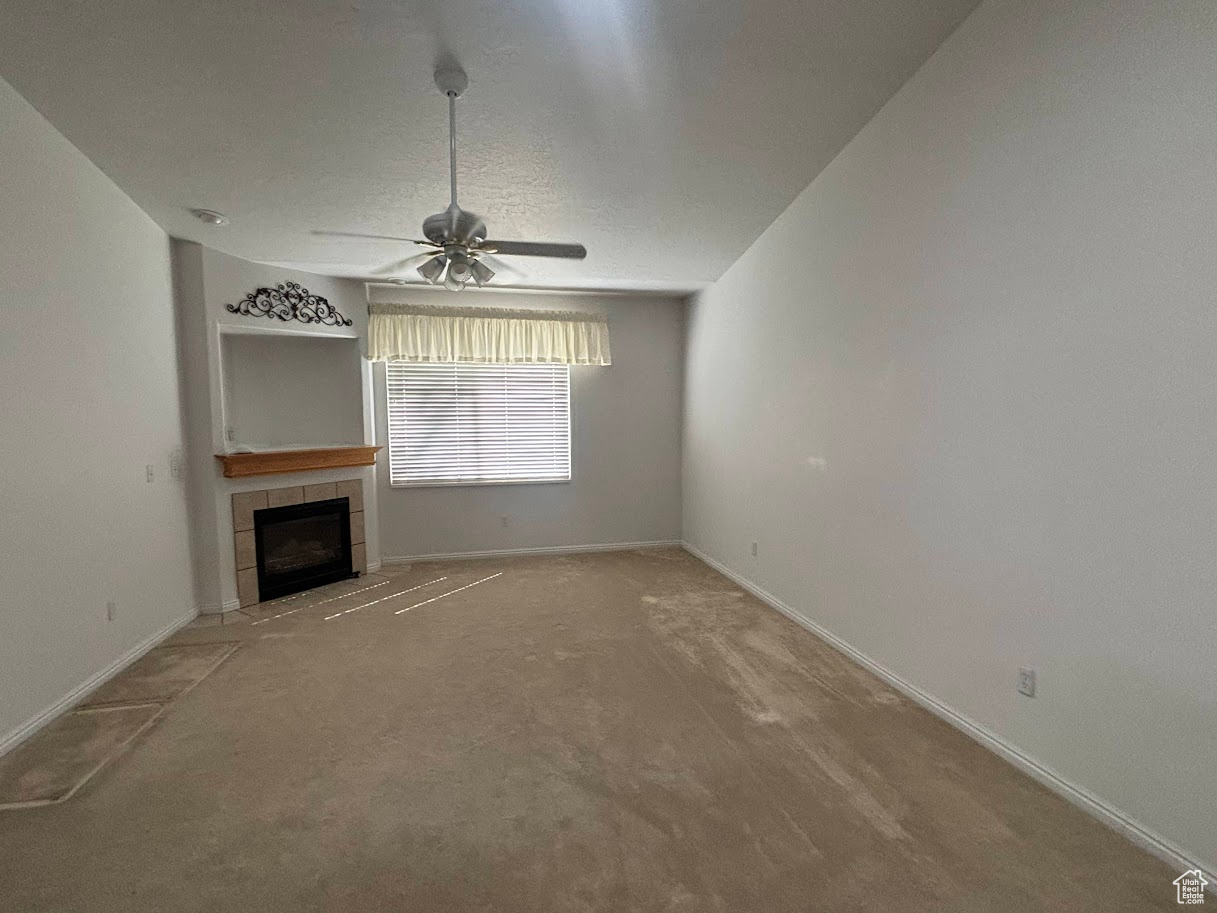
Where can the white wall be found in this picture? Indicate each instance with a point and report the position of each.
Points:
(625, 446)
(88, 380)
(963, 394)
(207, 281)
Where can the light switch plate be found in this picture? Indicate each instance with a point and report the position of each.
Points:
(1026, 682)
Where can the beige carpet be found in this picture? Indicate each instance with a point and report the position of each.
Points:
(617, 732)
(54, 764)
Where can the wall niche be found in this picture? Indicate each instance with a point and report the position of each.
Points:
(286, 391)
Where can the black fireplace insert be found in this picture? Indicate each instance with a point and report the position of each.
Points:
(302, 546)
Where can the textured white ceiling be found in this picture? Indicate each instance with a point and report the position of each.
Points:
(663, 134)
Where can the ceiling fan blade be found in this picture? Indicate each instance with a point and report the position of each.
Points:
(534, 249)
(355, 234)
(403, 265)
(500, 266)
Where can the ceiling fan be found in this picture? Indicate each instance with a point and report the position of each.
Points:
(459, 250)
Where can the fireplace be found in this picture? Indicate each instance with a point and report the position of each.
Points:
(300, 546)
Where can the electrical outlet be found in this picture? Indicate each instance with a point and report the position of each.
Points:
(1026, 681)
(150, 472)
(753, 549)
(504, 520)
(111, 611)
(175, 465)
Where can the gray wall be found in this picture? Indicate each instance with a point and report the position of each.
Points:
(962, 393)
(301, 391)
(88, 376)
(625, 430)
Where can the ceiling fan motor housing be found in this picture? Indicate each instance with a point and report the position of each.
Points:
(454, 226)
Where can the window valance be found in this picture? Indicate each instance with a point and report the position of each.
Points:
(407, 332)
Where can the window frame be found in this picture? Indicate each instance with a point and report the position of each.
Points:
(480, 483)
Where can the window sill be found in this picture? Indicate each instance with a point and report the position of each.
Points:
(479, 484)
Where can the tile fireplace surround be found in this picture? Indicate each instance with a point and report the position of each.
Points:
(244, 504)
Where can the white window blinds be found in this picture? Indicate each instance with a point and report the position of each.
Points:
(475, 423)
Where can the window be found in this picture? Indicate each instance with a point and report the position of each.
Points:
(475, 423)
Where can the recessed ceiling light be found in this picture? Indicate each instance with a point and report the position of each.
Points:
(210, 217)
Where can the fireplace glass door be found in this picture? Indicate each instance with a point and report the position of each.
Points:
(302, 546)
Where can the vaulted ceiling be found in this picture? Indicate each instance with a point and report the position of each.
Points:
(665, 135)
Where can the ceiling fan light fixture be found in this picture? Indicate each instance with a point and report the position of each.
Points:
(458, 268)
(451, 283)
(481, 273)
(432, 268)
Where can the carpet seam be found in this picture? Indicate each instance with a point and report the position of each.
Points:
(122, 747)
(27, 730)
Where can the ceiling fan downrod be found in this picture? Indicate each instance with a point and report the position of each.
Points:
(452, 81)
(452, 144)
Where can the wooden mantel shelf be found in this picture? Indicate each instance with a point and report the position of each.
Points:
(273, 462)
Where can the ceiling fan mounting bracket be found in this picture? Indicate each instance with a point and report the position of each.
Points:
(451, 80)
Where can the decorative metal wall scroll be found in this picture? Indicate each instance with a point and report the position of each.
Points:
(288, 301)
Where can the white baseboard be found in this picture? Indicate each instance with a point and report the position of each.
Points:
(542, 550)
(15, 737)
(1098, 808)
(219, 608)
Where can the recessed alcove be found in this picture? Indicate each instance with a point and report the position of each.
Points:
(286, 391)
